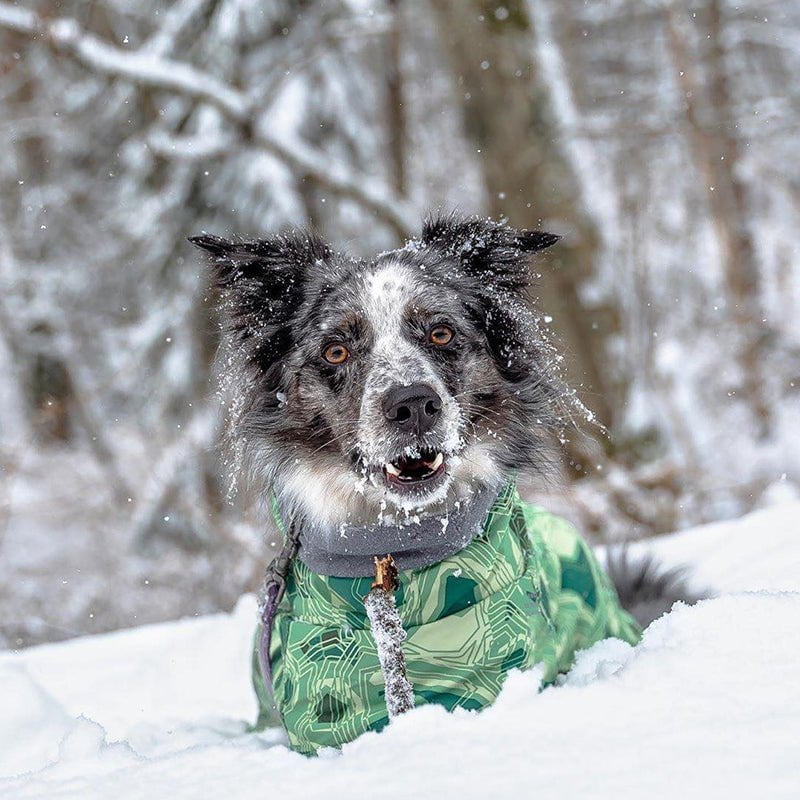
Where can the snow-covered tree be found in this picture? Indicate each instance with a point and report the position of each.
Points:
(657, 137)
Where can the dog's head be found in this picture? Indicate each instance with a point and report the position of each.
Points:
(364, 388)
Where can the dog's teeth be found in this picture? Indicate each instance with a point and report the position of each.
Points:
(436, 463)
(391, 468)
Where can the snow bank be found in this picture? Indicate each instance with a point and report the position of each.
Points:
(758, 551)
(708, 705)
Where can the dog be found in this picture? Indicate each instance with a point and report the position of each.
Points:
(388, 406)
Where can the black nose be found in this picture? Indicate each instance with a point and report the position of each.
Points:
(413, 409)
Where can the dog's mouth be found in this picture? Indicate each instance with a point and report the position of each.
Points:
(406, 472)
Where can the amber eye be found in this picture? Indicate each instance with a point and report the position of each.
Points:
(441, 335)
(336, 354)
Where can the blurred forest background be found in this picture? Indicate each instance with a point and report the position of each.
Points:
(659, 136)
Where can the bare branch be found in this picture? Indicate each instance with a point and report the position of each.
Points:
(142, 68)
(340, 179)
(178, 18)
(147, 69)
(577, 153)
(189, 148)
(170, 469)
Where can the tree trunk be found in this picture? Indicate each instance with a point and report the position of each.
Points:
(507, 115)
(717, 155)
(395, 108)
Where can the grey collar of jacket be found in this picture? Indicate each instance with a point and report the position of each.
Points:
(349, 552)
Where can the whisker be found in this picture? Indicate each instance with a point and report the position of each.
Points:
(476, 389)
(487, 410)
(349, 432)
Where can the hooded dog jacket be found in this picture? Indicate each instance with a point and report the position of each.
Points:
(527, 590)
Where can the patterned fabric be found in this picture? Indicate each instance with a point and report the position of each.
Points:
(526, 590)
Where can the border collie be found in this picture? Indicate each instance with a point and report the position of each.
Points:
(388, 405)
(395, 386)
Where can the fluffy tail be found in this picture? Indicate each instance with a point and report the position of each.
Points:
(646, 589)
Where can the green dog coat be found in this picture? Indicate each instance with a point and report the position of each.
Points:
(527, 590)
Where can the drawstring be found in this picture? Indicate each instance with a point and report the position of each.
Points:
(274, 589)
(385, 623)
(389, 635)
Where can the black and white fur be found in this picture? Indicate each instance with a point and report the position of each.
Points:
(320, 434)
(316, 433)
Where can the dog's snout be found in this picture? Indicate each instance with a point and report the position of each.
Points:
(413, 409)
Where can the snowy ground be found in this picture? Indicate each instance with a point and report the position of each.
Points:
(708, 705)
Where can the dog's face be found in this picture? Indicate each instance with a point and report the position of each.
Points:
(398, 384)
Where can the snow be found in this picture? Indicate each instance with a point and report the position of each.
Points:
(759, 551)
(708, 705)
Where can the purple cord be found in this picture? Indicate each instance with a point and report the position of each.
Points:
(272, 596)
(274, 588)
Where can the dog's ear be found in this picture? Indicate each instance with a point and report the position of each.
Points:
(485, 249)
(261, 284)
(495, 258)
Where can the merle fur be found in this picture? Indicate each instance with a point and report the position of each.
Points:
(275, 294)
(282, 298)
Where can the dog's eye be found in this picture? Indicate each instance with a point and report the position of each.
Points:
(336, 354)
(441, 335)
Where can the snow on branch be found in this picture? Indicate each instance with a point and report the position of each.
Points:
(142, 68)
(341, 179)
(146, 68)
(180, 16)
(577, 152)
(189, 148)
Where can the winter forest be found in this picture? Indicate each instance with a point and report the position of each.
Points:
(659, 138)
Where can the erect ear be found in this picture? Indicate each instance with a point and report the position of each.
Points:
(487, 249)
(274, 263)
(496, 257)
(261, 282)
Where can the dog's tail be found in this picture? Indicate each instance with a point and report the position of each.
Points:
(647, 589)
